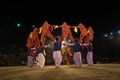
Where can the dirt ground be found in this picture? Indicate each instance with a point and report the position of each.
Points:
(96, 72)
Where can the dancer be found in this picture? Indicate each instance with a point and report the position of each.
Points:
(63, 53)
(88, 40)
(32, 43)
(41, 58)
(67, 56)
(77, 57)
(77, 54)
(57, 57)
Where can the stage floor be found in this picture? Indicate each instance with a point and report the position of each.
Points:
(96, 72)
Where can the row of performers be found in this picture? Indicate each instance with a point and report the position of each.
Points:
(60, 54)
(34, 41)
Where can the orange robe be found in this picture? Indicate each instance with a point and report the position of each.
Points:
(66, 32)
(46, 33)
(83, 31)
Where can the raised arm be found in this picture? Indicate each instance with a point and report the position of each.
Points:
(46, 46)
(69, 44)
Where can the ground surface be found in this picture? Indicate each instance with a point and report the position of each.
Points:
(96, 72)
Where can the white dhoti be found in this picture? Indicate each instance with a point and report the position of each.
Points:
(77, 59)
(41, 60)
(57, 57)
(90, 58)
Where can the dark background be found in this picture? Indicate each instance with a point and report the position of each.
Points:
(104, 17)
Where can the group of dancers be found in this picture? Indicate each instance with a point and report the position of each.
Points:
(36, 45)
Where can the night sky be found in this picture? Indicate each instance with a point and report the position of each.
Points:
(103, 19)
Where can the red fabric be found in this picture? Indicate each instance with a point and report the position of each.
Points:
(82, 46)
(66, 32)
(90, 35)
(91, 32)
(33, 41)
(51, 28)
(46, 33)
(83, 31)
